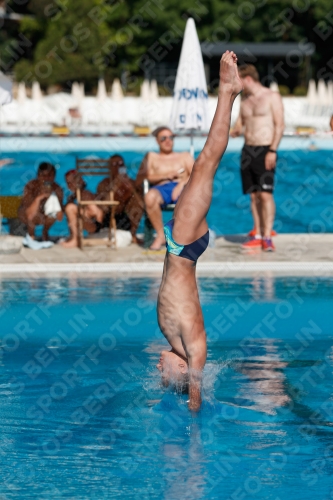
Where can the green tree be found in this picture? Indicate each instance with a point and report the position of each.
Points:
(70, 46)
(13, 45)
(84, 39)
(145, 30)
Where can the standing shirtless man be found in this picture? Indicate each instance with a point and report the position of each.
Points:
(168, 172)
(261, 115)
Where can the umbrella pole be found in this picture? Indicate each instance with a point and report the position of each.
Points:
(192, 146)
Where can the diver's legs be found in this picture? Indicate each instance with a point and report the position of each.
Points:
(194, 202)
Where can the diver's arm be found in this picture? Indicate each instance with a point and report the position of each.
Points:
(196, 356)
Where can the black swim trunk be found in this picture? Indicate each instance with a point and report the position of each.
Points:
(254, 175)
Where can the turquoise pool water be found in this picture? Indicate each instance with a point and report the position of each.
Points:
(83, 414)
(304, 188)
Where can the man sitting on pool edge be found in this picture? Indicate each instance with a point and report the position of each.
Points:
(167, 172)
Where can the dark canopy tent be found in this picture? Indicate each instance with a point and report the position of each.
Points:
(286, 63)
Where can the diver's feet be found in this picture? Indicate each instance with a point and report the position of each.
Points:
(229, 77)
(267, 245)
(158, 243)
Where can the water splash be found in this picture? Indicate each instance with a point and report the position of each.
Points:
(211, 374)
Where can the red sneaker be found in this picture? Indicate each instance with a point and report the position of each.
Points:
(253, 232)
(252, 243)
(267, 245)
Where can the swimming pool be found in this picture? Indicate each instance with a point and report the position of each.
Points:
(304, 188)
(83, 415)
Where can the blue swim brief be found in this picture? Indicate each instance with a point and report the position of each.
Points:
(166, 192)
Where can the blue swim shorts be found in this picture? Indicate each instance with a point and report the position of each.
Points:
(166, 192)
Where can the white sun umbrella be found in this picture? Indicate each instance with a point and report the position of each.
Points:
(24, 107)
(144, 104)
(101, 90)
(21, 93)
(6, 87)
(330, 93)
(322, 93)
(10, 114)
(149, 105)
(81, 85)
(117, 114)
(76, 94)
(104, 109)
(145, 90)
(154, 90)
(311, 99)
(75, 90)
(190, 101)
(116, 93)
(32, 113)
(312, 93)
(274, 87)
(36, 92)
(57, 106)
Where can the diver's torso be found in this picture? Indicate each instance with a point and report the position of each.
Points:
(178, 300)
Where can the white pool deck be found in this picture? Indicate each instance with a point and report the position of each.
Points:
(296, 255)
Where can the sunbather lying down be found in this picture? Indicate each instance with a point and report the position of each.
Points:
(179, 311)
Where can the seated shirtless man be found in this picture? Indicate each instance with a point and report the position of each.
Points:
(74, 181)
(168, 172)
(131, 206)
(36, 192)
(96, 217)
(179, 311)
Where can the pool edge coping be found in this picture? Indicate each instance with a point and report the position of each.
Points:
(152, 268)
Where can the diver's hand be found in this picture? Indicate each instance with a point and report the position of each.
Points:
(229, 77)
(195, 393)
(194, 405)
